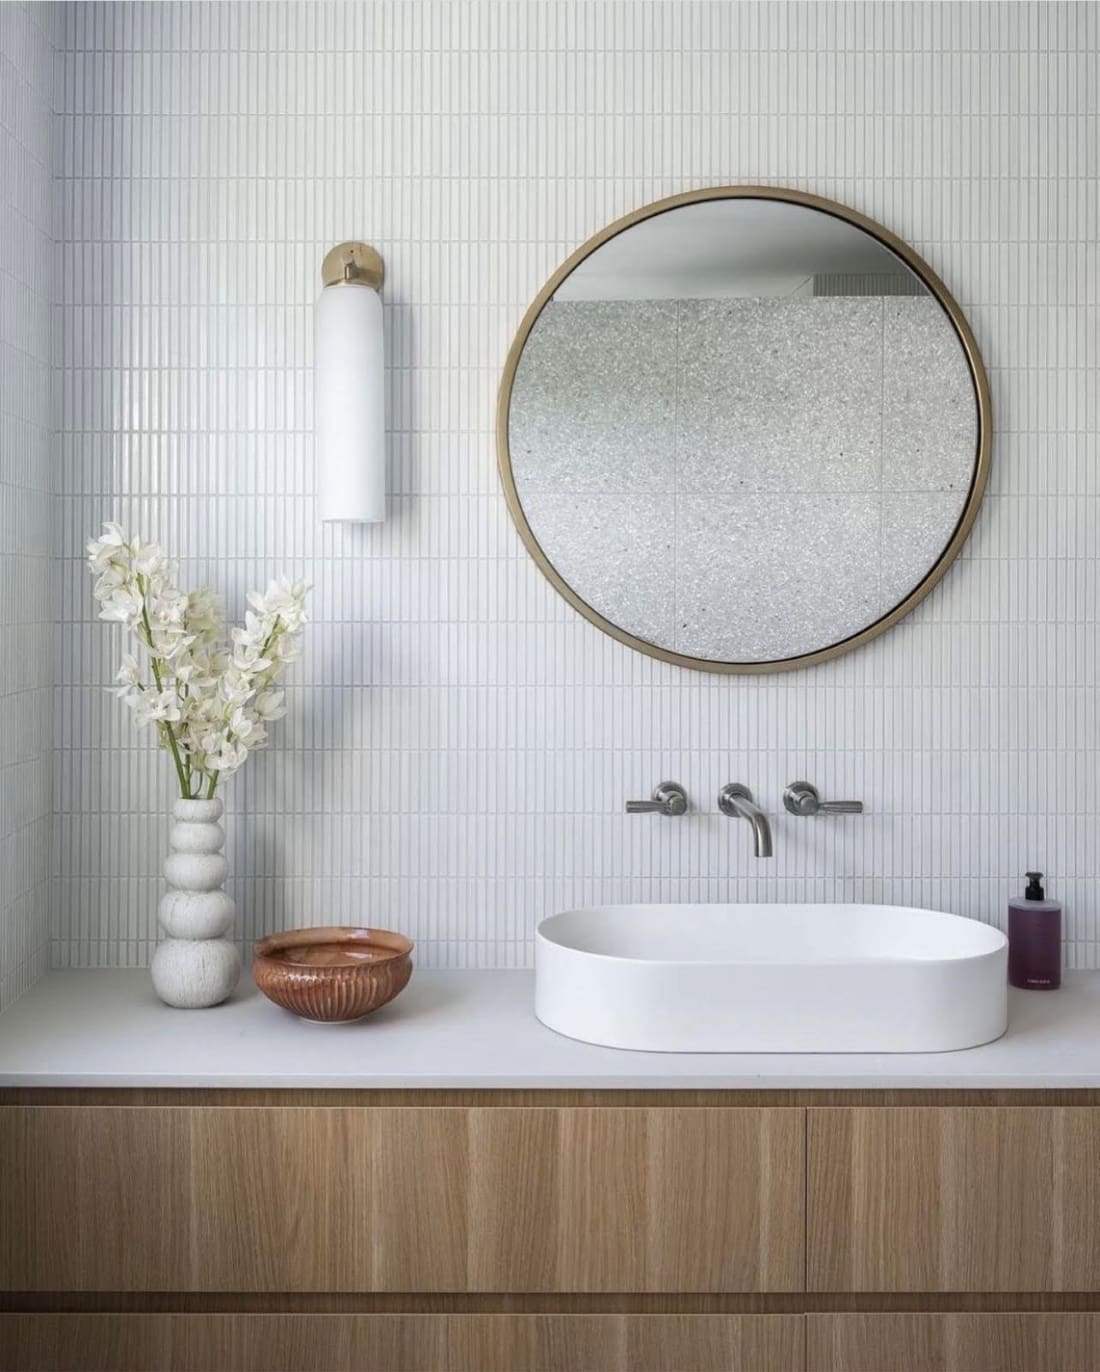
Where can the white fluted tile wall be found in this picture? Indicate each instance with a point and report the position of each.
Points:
(461, 743)
(27, 36)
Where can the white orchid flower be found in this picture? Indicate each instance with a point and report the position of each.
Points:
(105, 549)
(122, 606)
(270, 705)
(228, 759)
(210, 698)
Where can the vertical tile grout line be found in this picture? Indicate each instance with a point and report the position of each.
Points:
(447, 702)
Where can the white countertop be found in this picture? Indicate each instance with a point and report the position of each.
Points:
(477, 1030)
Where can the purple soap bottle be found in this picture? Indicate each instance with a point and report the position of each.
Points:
(1035, 939)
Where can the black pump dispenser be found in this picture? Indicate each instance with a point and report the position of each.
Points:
(1034, 886)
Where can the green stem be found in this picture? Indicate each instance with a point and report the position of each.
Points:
(185, 785)
(187, 758)
(184, 777)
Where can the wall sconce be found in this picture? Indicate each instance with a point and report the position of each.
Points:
(349, 393)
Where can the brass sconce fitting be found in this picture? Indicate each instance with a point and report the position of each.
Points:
(353, 262)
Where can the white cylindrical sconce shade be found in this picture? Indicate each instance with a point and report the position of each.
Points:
(349, 395)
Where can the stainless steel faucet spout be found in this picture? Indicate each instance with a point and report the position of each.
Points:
(736, 801)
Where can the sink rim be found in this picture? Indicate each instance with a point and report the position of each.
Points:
(994, 939)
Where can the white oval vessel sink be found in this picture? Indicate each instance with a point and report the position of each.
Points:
(771, 978)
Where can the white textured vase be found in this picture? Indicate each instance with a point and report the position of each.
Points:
(195, 965)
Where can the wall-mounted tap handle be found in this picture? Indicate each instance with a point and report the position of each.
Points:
(800, 798)
(669, 798)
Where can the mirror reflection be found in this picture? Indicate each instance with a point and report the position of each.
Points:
(742, 430)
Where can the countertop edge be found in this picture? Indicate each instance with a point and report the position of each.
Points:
(476, 1031)
(520, 1082)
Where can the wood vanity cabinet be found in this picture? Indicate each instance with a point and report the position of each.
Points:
(962, 1341)
(403, 1343)
(402, 1199)
(532, 1232)
(954, 1199)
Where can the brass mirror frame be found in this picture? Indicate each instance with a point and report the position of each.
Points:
(916, 264)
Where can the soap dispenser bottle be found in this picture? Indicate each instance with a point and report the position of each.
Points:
(1035, 939)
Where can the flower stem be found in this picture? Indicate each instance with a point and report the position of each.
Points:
(185, 789)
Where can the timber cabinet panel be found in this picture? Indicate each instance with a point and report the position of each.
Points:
(637, 1200)
(954, 1199)
(403, 1199)
(725, 1212)
(962, 1342)
(401, 1343)
(329, 1199)
(93, 1198)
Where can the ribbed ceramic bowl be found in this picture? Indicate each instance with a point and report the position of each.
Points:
(333, 975)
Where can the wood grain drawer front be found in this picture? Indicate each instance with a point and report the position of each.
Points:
(636, 1200)
(954, 1199)
(499, 1199)
(402, 1343)
(494, 1199)
(94, 1198)
(953, 1343)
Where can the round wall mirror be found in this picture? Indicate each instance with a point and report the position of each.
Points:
(744, 429)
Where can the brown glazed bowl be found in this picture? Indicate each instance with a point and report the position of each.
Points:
(333, 975)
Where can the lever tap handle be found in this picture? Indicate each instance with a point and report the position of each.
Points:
(802, 798)
(669, 798)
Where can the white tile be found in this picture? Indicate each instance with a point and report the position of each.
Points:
(461, 741)
(27, 592)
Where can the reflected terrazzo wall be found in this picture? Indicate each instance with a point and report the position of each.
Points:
(461, 742)
(743, 480)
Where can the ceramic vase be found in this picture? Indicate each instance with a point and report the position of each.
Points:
(196, 965)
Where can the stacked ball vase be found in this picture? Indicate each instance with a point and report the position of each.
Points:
(195, 965)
